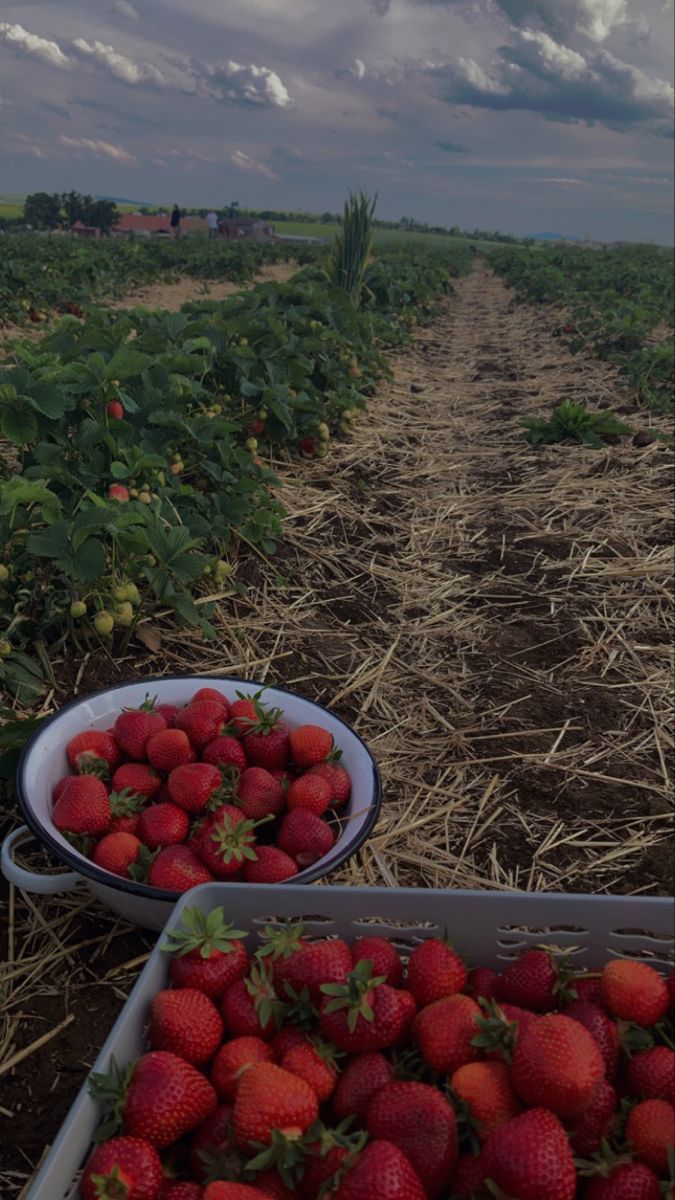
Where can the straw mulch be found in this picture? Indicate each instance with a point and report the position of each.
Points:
(494, 620)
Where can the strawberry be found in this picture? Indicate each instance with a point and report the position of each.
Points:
(310, 744)
(201, 721)
(592, 1127)
(59, 787)
(650, 1129)
(235, 1057)
(207, 953)
(529, 1158)
(243, 714)
(302, 964)
(226, 841)
(193, 785)
(160, 1098)
(634, 991)
(117, 491)
(531, 982)
(272, 1185)
(444, 1033)
(670, 987)
(92, 752)
(250, 1007)
(286, 1039)
(259, 794)
(169, 712)
(115, 410)
(587, 987)
(311, 793)
(305, 837)
(469, 1178)
(363, 1013)
(381, 1172)
(163, 825)
(177, 869)
(117, 852)
(486, 1090)
(135, 726)
(125, 808)
(183, 1191)
(315, 1063)
(651, 1074)
(123, 1166)
(266, 742)
(213, 696)
(223, 752)
(323, 1160)
(186, 1022)
(233, 1191)
(361, 1079)
(270, 866)
(383, 956)
(168, 749)
(602, 1028)
(212, 1150)
(434, 971)
(419, 1120)
(557, 1064)
(626, 1181)
(338, 779)
(83, 807)
(410, 1010)
(136, 778)
(483, 983)
(269, 1098)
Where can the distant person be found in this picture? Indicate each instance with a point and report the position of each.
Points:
(212, 222)
(175, 221)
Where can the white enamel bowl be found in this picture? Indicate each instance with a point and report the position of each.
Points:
(43, 762)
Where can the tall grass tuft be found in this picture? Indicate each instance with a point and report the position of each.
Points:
(353, 245)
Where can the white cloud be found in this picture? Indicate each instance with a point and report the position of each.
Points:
(237, 83)
(94, 146)
(474, 74)
(118, 65)
(125, 10)
(572, 182)
(246, 163)
(19, 39)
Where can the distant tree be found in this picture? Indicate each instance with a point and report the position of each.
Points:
(71, 203)
(233, 209)
(41, 210)
(104, 214)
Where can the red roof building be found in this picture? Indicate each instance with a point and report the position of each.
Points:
(139, 223)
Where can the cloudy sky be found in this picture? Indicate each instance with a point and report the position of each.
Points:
(523, 115)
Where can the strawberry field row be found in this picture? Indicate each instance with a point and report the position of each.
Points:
(139, 446)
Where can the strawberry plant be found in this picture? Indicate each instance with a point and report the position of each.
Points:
(575, 423)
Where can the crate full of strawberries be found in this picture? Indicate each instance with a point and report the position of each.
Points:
(374, 1058)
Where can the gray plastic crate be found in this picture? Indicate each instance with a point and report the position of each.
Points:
(489, 928)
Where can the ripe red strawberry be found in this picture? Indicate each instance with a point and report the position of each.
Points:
(168, 749)
(226, 841)
(93, 752)
(651, 1074)
(183, 1191)
(483, 983)
(169, 712)
(531, 982)
(233, 1191)
(266, 742)
(634, 991)
(243, 714)
(135, 726)
(165, 1098)
(360, 1080)
(212, 1148)
(269, 1098)
(186, 1022)
(201, 721)
(163, 825)
(444, 1033)
(435, 970)
(117, 491)
(286, 1039)
(305, 837)
(208, 954)
(259, 794)
(115, 409)
(486, 1090)
(670, 986)
(137, 778)
(125, 808)
(270, 866)
(302, 964)
(117, 852)
(213, 696)
(235, 1057)
(123, 1166)
(650, 1129)
(323, 1160)
(310, 744)
(529, 1157)
(626, 1181)
(270, 1183)
(311, 793)
(419, 1120)
(381, 1172)
(223, 752)
(250, 1006)
(83, 807)
(177, 869)
(315, 1063)
(193, 785)
(602, 1028)
(59, 787)
(557, 1064)
(384, 958)
(469, 1178)
(592, 1127)
(363, 1013)
(587, 987)
(499, 1028)
(338, 779)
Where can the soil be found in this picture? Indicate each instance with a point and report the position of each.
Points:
(172, 296)
(491, 618)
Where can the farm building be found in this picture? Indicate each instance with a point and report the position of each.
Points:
(245, 227)
(145, 226)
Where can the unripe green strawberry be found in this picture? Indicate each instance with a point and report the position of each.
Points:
(78, 609)
(104, 622)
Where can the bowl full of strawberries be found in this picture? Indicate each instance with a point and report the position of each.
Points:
(149, 789)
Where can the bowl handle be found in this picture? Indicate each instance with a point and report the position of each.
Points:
(30, 881)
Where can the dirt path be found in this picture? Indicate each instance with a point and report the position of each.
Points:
(172, 296)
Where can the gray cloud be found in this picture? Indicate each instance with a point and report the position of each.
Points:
(57, 109)
(594, 18)
(287, 158)
(125, 10)
(452, 147)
